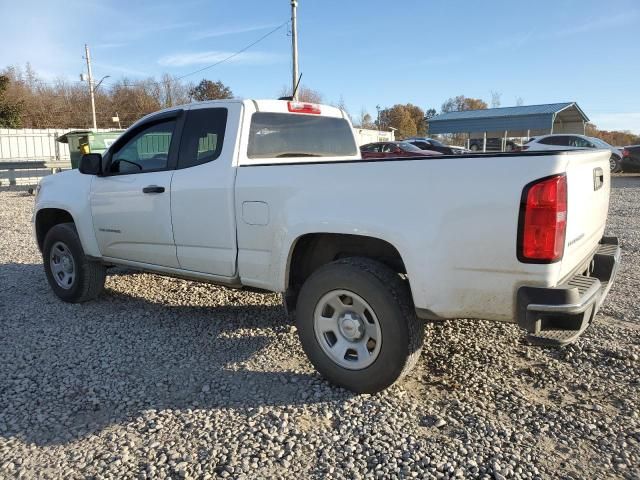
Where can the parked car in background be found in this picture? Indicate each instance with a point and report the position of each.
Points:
(631, 158)
(493, 144)
(425, 143)
(458, 150)
(563, 141)
(394, 149)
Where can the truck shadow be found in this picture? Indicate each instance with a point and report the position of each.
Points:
(69, 371)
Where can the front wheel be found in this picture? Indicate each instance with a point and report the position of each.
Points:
(72, 277)
(357, 324)
(614, 164)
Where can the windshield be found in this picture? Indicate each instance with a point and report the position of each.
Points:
(437, 143)
(600, 143)
(407, 147)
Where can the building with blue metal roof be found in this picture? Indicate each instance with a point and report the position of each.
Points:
(520, 121)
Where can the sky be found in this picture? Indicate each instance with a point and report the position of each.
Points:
(367, 53)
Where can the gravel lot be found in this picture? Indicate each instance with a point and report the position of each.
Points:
(163, 378)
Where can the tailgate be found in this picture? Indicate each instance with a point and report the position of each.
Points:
(588, 187)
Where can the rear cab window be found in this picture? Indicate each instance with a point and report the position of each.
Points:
(291, 135)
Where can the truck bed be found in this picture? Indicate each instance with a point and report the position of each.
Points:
(453, 219)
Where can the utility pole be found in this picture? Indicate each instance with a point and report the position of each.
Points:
(294, 47)
(90, 79)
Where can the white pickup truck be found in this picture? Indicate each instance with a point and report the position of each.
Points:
(273, 195)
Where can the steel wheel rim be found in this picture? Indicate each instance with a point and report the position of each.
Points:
(63, 267)
(347, 329)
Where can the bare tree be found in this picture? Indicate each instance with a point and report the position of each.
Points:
(173, 92)
(519, 101)
(365, 120)
(624, 137)
(461, 103)
(495, 99)
(305, 94)
(343, 106)
(65, 104)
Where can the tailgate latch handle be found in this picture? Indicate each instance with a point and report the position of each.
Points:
(598, 178)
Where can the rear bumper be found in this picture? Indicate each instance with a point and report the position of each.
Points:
(559, 315)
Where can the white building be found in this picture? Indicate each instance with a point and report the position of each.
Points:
(364, 136)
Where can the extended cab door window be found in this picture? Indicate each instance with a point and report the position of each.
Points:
(202, 137)
(146, 151)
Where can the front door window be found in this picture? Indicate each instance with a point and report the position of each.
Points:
(147, 151)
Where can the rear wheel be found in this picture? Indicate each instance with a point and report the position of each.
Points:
(474, 147)
(614, 164)
(357, 324)
(70, 274)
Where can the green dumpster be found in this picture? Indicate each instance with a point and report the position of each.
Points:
(86, 141)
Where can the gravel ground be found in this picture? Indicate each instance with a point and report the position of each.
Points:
(164, 378)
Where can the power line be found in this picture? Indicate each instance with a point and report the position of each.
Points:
(226, 59)
(237, 53)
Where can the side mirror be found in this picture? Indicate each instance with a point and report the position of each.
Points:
(91, 164)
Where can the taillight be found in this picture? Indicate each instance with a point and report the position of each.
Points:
(625, 153)
(524, 147)
(543, 220)
(303, 107)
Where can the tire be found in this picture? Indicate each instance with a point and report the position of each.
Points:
(390, 317)
(70, 274)
(474, 148)
(614, 164)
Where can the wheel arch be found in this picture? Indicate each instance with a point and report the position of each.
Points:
(310, 251)
(47, 218)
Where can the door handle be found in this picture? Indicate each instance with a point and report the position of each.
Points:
(153, 189)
